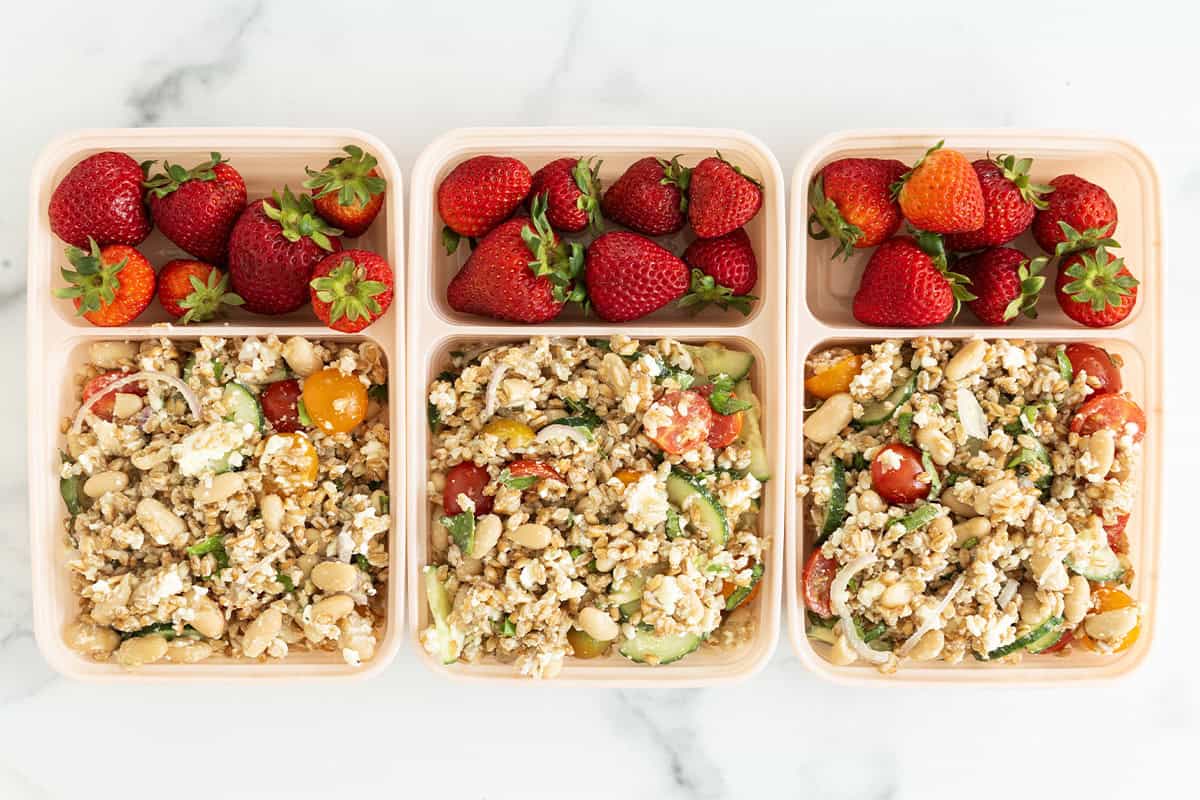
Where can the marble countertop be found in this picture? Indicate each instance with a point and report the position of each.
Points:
(787, 74)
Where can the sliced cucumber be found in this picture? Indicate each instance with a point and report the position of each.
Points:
(821, 634)
(631, 592)
(710, 518)
(439, 609)
(751, 435)
(742, 592)
(1021, 642)
(713, 359)
(835, 515)
(666, 649)
(1102, 565)
(1045, 641)
(880, 412)
(242, 405)
(630, 608)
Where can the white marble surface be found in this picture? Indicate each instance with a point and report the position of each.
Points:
(787, 75)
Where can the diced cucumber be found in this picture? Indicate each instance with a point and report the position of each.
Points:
(742, 592)
(880, 412)
(710, 516)
(835, 514)
(630, 608)
(820, 633)
(439, 609)
(1021, 642)
(713, 359)
(1102, 565)
(751, 436)
(1046, 640)
(242, 405)
(630, 592)
(666, 649)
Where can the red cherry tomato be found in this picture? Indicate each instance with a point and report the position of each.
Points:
(525, 467)
(725, 427)
(1062, 642)
(278, 402)
(681, 421)
(819, 573)
(1097, 363)
(103, 408)
(899, 484)
(469, 479)
(1111, 411)
(1116, 534)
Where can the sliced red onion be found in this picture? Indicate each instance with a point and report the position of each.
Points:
(489, 398)
(562, 432)
(1007, 593)
(839, 596)
(933, 620)
(188, 395)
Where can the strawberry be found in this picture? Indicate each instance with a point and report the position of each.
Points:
(1009, 203)
(196, 208)
(272, 251)
(110, 286)
(348, 193)
(941, 193)
(351, 289)
(649, 197)
(192, 291)
(519, 272)
(724, 271)
(628, 276)
(479, 194)
(906, 284)
(852, 201)
(101, 199)
(1095, 288)
(1005, 282)
(721, 198)
(572, 190)
(1080, 216)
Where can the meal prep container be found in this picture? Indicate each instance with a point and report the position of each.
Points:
(434, 329)
(820, 291)
(58, 341)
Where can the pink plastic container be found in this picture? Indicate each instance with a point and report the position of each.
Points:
(434, 329)
(57, 346)
(819, 300)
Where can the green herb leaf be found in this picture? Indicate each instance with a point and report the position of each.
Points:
(935, 480)
(1064, 366)
(378, 392)
(508, 629)
(302, 413)
(462, 530)
(970, 543)
(69, 488)
(289, 585)
(918, 517)
(431, 413)
(904, 427)
(359, 560)
(575, 552)
(523, 482)
(673, 529)
(722, 398)
(213, 544)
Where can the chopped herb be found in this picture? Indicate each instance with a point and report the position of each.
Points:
(163, 629)
(378, 392)
(432, 414)
(288, 584)
(935, 480)
(218, 369)
(508, 629)
(213, 544)
(447, 375)
(582, 416)
(869, 635)
(361, 562)
(717, 569)
(462, 530)
(918, 517)
(302, 413)
(685, 379)
(722, 398)
(522, 483)
(852, 585)
(953, 478)
(859, 462)
(383, 504)
(818, 621)
(1064, 366)
(970, 543)
(674, 531)
(600, 344)
(575, 552)
(69, 489)
(904, 427)
(457, 354)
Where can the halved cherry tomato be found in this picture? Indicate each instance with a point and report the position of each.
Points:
(681, 421)
(469, 479)
(336, 403)
(1116, 534)
(725, 427)
(539, 469)
(103, 407)
(278, 403)
(834, 380)
(1063, 641)
(289, 463)
(899, 484)
(628, 476)
(1111, 411)
(1106, 598)
(1098, 364)
(819, 573)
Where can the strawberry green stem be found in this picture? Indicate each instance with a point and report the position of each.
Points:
(174, 176)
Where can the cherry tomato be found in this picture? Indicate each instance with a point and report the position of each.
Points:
(835, 379)
(289, 463)
(819, 573)
(1097, 363)
(1116, 534)
(628, 476)
(725, 427)
(103, 408)
(679, 421)
(1063, 641)
(336, 403)
(540, 469)
(1111, 411)
(469, 479)
(899, 484)
(278, 403)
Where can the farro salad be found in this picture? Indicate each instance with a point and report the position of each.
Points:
(591, 496)
(969, 498)
(227, 497)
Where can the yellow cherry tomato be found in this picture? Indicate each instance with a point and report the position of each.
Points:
(585, 646)
(289, 463)
(515, 434)
(834, 380)
(336, 403)
(628, 476)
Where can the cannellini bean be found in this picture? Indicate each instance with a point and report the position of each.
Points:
(940, 448)
(928, 647)
(188, 651)
(335, 576)
(1102, 446)
(102, 483)
(110, 355)
(952, 501)
(1111, 626)
(598, 625)
(984, 494)
(897, 595)
(271, 508)
(842, 653)
(163, 524)
(1033, 611)
(487, 533)
(968, 359)
(208, 619)
(126, 405)
(830, 419)
(531, 535)
(1077, 600)
(261, 632)
(614, 372)
(93, 640)
(871, 501)
(332, 608)
(975, 528)
(516, 391)
(605, 564)
(141, 650)
(146, 460)
(299, 354)
(223, 487)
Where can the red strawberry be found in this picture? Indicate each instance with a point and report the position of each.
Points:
(941, 193)
(1080, 216)
(852, 201)
(196, 208)
(724, 271)
(1095, 288)
(721, 198)
(110, 286)
(273, 249)
(906, 284)
(348, 193)
(101, 199)
(572, 189)
(1005, 282)
(519, 272)
(649, 197)
(193, 291)
(1009, 202)
(479, 194)
(628, 276)
(351, 289)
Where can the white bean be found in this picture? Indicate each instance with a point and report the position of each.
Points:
(598, 625)
(207, 618)
(223, 487)
(968, 359)
(1102, 446)
(940, 448)
(271, 508)
(141, 650)
(897, 595)
(487, 533)
(186, 651)
(163, 524)
(111, 355)
(91, 639)
(842, 653)
(830, 419)
(951, 500)
(102, 483)
(1033, 611)
(1001, 488)
(335, 576)
(146, 460)
(261, 632)
(1111, 626)
(929, 646)
(531, 535)
(1077, 600)
(974, 528)
(126, 405)
(299, 354)
(332, 608)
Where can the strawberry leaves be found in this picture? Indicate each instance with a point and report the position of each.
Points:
(934, 246)
(349, 293)
(92, 282)
(1078, 241)
(1017, 172)
(350, 176)
(587, 179)
(1032, 281)
(207, 297)
(558, 262)
(298, 218)
(705, 289)
(1096, 280)
(825, 213)
(174, 175)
